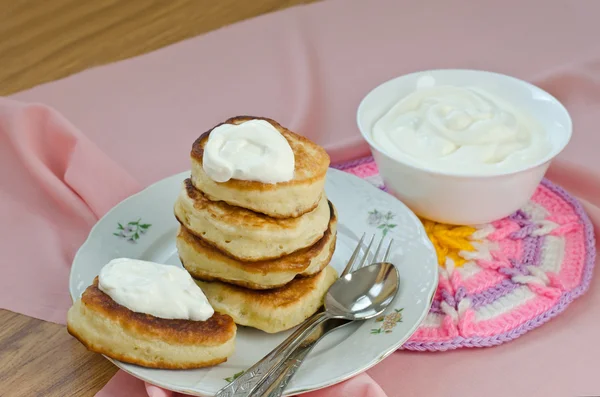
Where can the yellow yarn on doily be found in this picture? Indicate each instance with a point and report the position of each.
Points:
(449, 241)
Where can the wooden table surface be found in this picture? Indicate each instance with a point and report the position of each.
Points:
(44, 40)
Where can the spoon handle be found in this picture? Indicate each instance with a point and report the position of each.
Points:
(275, 385)
(278, 382)
(254, 378)
(287, 347)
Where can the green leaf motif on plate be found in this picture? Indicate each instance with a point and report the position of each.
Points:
(234, 377)
(388, 321)
(132, 231)
(381, 220)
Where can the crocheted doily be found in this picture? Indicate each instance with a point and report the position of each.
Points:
(500, 280)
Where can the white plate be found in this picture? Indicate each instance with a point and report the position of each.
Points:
(150, 230)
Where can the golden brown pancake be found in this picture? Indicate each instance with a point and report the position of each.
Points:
(279, 200)
(207, 263)
(247, 235)
(272, 310)
(104, 326)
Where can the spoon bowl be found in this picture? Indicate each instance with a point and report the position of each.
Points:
(364, 293)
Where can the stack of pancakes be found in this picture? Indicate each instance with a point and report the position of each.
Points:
(260, 252)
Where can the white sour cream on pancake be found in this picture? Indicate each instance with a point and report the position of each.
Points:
(250, 151)
(460, 130)
(159, 290)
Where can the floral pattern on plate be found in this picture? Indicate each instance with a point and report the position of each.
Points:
(389, 321)
(132, 231)
(381, 220)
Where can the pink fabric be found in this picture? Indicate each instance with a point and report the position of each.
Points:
(307, 67)
(55, 185)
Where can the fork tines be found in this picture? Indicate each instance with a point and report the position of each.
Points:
(362, 260)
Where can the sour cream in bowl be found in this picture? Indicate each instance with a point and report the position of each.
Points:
(463, 146)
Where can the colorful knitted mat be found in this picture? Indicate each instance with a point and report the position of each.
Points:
(499, 280)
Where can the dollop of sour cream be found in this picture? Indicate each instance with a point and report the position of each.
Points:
(159, 290)
(460, 129)
(251, 151)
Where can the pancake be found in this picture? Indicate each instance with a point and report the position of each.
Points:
(246, 235)
(104, 326)
(271, 310)
(207, 263)
(280, 200)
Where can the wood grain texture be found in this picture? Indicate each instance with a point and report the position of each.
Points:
(41, 41)
(44, 40)
(42, 359)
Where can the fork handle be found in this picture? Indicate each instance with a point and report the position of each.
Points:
(285, 350)
(286, 372)
(256, 375)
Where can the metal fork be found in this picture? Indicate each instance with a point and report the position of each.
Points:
(279, 379)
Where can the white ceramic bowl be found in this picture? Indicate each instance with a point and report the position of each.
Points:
(459, 198)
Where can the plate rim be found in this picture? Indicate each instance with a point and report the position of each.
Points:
(290, 392)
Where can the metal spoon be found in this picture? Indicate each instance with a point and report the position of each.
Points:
(360, 295)
(278, 381)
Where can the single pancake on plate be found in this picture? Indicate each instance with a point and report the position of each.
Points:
(247, 235)
(207, 263)
(106, 327)
(273, 310)
(288, 199)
